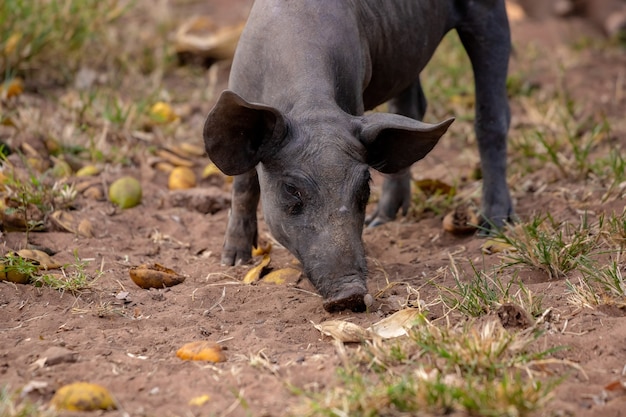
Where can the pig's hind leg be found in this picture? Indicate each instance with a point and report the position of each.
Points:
(396, 190)
(485, 35)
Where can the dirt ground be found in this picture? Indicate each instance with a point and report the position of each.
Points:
(125, 338)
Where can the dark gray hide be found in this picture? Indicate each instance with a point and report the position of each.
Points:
(303, 75)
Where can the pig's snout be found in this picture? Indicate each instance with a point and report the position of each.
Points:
(349, 294)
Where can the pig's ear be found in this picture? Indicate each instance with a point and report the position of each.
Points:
(238, 134)
(395, 142)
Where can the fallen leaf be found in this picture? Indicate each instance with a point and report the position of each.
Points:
(397, 324)
(64, 220)
(42, 258)
(187, 150)
(201, 350)
(155, 276)
(85, 229)
(173, 159)
(254, 274)
(200, 36)
(343, 331)
(164, 166)
(616, 385)
(434, 187)
(279, 276)
(83, 396)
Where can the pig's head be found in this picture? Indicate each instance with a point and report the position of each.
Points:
(314, 177)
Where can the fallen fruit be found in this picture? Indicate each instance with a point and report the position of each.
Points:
(201, 350)
(254, 274)
(83, 396)
(279, 276)
(181, 178)
(155, 276)
(125, 192)
(462, 220)
(88, 171)
(162, 112)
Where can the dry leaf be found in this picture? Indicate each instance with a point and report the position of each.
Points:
(155, 276)
(199, 36)
(64, 220)
(279, 276)
(397, 324)
(42, 258)
(343, 331)
(434, 187)
(85, 229)
(83, 396)
(201, 350)
(188, 150)
(174, 159)
(254, 274)
(616, 385)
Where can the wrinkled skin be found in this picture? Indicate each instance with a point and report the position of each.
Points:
(292, 128)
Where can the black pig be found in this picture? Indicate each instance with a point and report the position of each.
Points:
(292, 127)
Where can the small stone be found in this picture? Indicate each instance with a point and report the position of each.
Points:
(368, 300)
(56, 355)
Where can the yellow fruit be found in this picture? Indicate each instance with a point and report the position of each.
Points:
(279, 276)
(61, 169)
(125, 192)
(13, 88)
(210, 170)
(88, 171)
(201, 350)
(181, 178)
(155, 276)
(162, 112)
(254, 274)
(83, 396)
(11, 43)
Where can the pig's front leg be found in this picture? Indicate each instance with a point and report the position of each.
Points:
(396, 190)
(395, 195)
(242, 232)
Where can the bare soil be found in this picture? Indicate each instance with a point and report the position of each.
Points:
(126, 338)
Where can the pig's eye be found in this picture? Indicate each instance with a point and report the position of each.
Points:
(294, 199)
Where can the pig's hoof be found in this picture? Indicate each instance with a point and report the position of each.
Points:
(352, 298)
